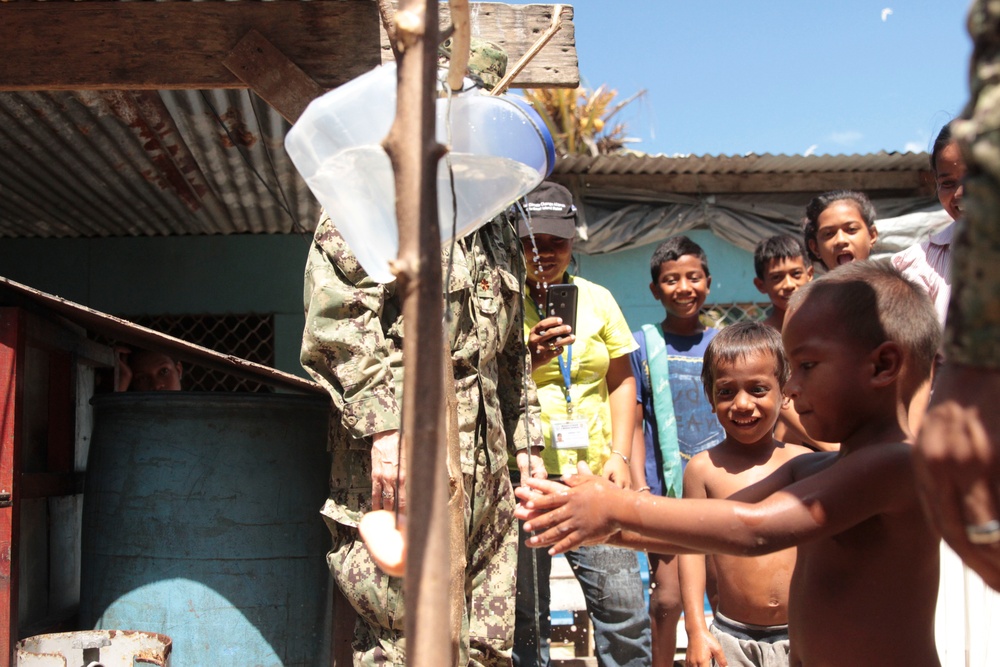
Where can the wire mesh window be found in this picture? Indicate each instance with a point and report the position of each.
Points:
(247, 336)
(723, 314)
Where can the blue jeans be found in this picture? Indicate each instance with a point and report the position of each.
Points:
(609, 577)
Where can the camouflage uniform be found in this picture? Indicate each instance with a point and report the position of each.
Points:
(974, 312)
(352, 345)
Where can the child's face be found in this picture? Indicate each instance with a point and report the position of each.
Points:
(827, 371)
(152, 371)
(781, 278)
(682, 286)
(842, 235)
(747, 398)
(949, 174)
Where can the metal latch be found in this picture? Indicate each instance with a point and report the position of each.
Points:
(5, 500)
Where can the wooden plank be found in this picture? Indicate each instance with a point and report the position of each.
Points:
(269, 73)
(11, 361)
(183, 45)
(14, 293)
(516, 28)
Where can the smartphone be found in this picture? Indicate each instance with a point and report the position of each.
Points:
(561, 302)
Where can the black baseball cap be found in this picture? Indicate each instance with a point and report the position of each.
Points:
(550, 211)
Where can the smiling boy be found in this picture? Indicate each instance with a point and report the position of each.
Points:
(781, 265)
(864, 587)
(743, 375)
(675, 419)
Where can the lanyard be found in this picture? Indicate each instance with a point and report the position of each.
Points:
(566, 368)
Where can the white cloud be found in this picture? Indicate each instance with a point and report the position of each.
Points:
(914, 147)
(886, 13)
(812, 150)
(846, 138)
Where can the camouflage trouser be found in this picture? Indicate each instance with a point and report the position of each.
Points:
(491, 553)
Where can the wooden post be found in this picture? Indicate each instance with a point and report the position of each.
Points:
(414, 153)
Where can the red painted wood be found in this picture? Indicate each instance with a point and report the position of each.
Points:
(11, 360)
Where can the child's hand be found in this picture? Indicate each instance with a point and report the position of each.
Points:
(616, 471)
(702, 649)
(568, 516)
(547, 339)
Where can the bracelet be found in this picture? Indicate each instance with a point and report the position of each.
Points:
(624, 458)
(643, 488)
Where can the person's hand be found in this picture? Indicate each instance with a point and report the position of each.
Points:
(568, 515)
(616, 471)
(547, 339)
(957, 463)
(385, 540)
(124, 370)
(702, 648)
(386, 470)
(530, 463)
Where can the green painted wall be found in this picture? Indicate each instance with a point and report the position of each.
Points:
(263, 274)
(626, 274)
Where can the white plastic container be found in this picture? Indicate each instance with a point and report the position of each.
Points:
(500, 151)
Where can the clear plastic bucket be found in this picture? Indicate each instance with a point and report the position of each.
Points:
(499, 151)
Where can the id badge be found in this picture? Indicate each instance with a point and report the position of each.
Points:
(570, 434)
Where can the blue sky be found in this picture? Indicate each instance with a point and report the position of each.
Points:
(729, 77)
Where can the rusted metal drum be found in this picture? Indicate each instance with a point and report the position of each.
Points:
(201, 522)
(101, 648)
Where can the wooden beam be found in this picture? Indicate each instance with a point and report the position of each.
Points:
(181, 45)
(184, 45)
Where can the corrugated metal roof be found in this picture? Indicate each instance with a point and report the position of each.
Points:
(741, 164)
(117, 163)
(146, 163)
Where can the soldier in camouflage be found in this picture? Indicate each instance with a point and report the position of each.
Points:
(958, 449)
(352, 345)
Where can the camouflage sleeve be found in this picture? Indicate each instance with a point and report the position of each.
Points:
(974, 311)
(522, 413)
(518, 397)
(346, 344)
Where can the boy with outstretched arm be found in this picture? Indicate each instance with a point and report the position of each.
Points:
(743, 375)
(864, 587)
(782, 266)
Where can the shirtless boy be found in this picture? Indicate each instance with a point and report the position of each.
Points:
(744, 373)
(865, 582)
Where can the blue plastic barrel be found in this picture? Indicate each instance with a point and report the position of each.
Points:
(201, 523)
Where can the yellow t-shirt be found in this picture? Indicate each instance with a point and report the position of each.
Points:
(602, 334)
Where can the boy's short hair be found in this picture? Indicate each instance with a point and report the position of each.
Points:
(875, 303)
(779, 246)
(737, 343)
(674, 248)
(820, 203)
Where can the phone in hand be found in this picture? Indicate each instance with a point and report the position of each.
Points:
(561, 302)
